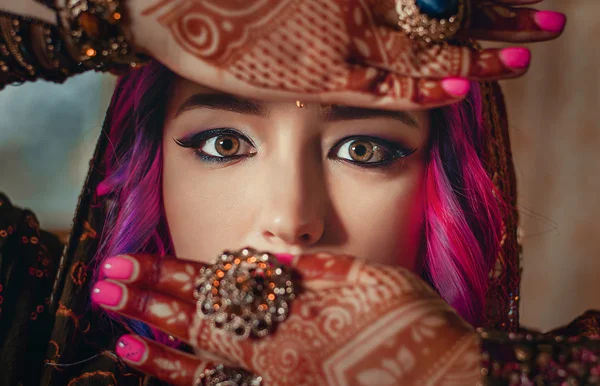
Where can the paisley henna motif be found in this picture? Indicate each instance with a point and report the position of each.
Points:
(353, 323)
(320, 47)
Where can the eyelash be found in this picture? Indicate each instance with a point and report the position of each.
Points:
(395, 150)
(196, 142)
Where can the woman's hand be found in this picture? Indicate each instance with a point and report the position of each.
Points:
(352, 323)
(333, 51)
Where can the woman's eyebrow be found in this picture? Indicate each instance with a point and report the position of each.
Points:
(344, 113)
(220, 101)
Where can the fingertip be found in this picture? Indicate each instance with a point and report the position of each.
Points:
(550, 21)
(515, 58)
(285, 258)
(120, 267)
(132, 348)
(456, 87)
(108, 294)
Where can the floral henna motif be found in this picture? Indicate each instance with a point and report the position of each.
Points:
(374, 332)
(312, 47)
(341, 342)
(372, 324)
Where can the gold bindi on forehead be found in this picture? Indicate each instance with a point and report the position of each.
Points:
(299, 104)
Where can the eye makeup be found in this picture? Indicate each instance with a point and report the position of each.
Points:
(387, 151)
(392, 151)
(197, 141)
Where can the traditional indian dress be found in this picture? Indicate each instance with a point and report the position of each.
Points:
(51, 335)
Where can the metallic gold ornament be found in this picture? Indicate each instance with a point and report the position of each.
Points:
(437, 25)
(245, 293)
(225, 376)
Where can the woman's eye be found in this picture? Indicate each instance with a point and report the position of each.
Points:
(368, 151)
(224, 146)
(219, 145)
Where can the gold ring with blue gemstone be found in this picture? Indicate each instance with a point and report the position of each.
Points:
(430, 20)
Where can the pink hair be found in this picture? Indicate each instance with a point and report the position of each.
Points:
(463, 218)
(463, 215)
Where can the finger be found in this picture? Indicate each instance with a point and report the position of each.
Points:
(165, 363)
(508, 24)
(418, 59)
(383, 89)
(165, 312)
(171, 315)
(324, 271)
(472, 63)
(165, 274)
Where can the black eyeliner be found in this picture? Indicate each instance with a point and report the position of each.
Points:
(196, 139)
(395, 149)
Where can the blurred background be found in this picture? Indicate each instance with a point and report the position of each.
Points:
(554, 114)
(48, 133)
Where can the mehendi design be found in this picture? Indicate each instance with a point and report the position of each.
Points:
(369, 321)
(310, 47)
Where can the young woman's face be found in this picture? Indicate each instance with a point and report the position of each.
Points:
(285, 179)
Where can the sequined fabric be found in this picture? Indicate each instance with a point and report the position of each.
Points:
(502, 306)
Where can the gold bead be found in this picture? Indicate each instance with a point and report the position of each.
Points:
(521, 354)
(300, 104)
(90, 52)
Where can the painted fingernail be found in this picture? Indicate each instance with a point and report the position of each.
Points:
(120, 268)
(131, 348)
(550, 21)
(285, 258)
(515, 58)
(456, 87)
(107, 293)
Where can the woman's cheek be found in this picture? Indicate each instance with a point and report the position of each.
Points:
(205, 211)
(383, 219)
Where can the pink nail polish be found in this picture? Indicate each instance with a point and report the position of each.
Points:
(120, 268)
(456, 87)
(131, 348)
(107, 294)
(515, 58)
(550, 21)
(285, 258)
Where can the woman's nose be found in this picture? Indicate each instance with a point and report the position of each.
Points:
(294, 205)
(285, 230)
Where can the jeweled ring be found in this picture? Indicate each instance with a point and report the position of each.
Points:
(225, 376)
(245, 293)
(430, 20)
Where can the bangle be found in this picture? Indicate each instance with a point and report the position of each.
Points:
(30, 50)
(96, 30)
(13, 45)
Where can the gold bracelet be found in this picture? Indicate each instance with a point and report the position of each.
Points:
(12, 41)
(96, 28)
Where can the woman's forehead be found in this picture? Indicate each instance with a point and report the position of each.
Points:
(189, 95)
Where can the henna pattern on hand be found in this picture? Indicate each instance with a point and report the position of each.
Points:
(337, 48)
(310, 47)
(353, 323)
